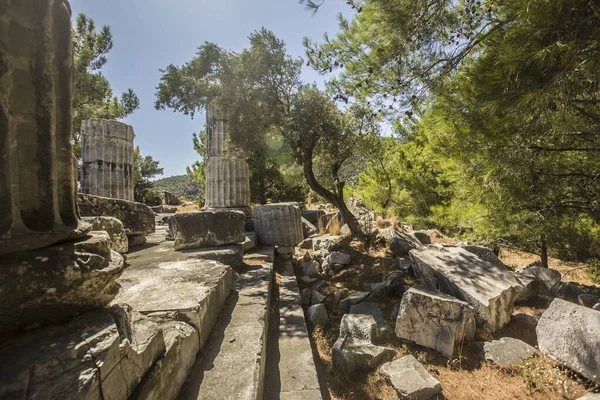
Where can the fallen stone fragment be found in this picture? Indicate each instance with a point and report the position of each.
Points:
(317, 315)
(207, 229)
(354, 298)
(315, 217)
(308, 280)
(310, 269)
(115, 230)
(423, 237)
(306, 243)
(435, 320)
(537, 280)
(489, 289)
(308, 229)
(316, 297)
(164, 209)
(326, 242)
(507, 351)
(570, 334)
(596, 307)
(137, 218)
(401, 243)
(587, 300)
(410, 379)
(354, 351)
(485, 254)
(393, 286)
(337, 257)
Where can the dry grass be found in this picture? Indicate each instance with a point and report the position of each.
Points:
(394, 223)
(572, 271)
(188, 207)
(334, 226)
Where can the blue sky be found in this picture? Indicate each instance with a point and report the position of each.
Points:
(151, 34)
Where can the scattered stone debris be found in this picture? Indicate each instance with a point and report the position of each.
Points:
(411, 379)
(401, 243)
(384, 330)
(507, 351)
(317, 315)
(393, 286)
(570, 334)
(435, 320)
(351, 300)
(354, 351)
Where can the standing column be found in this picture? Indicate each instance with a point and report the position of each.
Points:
(107, 157)
(227, 172)
(37, 185)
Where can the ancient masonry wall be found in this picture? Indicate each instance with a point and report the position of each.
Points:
(107, 157)
(227, 172)
(37, 167)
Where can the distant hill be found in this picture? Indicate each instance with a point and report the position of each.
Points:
(181, 186)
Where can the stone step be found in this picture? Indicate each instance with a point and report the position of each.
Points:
(232, 365)
(291, 370)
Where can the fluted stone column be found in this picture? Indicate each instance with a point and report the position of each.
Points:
(50, 269)
(107, 157)
(227, 172)
(37, 169)
(278, 224)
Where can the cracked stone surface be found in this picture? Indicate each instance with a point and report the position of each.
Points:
(103, 354)
(489, 289)
(435, 320)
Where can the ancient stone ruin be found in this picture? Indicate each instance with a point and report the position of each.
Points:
(107, 159)
(51, 268)
(227, 172)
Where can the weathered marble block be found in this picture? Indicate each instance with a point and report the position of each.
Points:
(207, 228)
(37, 167)
(489, 289)
(570, 333)
(137, 218)
(278, 224)
(107, 159)
(435, 320)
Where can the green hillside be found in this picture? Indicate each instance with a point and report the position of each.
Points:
(181, 186)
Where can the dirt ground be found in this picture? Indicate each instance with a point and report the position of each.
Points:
(462, 378)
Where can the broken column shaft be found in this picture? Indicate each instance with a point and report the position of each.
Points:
(227, 172)
(107, 158)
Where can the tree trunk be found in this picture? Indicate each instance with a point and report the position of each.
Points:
(544, 255)
(337, 201)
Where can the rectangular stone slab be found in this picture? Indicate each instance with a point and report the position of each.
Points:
(490, 290)
(195, 290)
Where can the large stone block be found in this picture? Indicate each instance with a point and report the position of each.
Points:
(489, 289)
(401, 243)
(107, 159)
(137, 218)
(435, 320)
(278, 224)
(570, 333)
(189, 290)
(100, 355)
(207, 228)
(410, 379)
(37, 168)
(52, 284)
